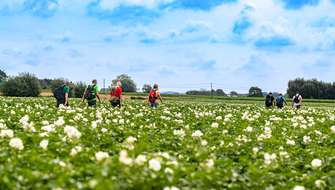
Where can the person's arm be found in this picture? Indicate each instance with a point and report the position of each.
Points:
(98, 96)
(83, 97)
(160, 97)
(66, 98)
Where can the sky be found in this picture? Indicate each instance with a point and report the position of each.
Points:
(179, 44)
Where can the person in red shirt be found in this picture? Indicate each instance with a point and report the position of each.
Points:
(154, 95)
(116, 95)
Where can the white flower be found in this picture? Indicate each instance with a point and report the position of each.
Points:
(2, 126)
(16, 143)
(104, 130)
(131, 139)
(171, 188)
(307, 139)
(7, 133)
(48, 128)
(180, 133)
(316, 163)
(75, 150)
(290, 142)
(255, 150)
(204, 142)
(248, 129)
(319, 183)
(269, 158)
(140, 159)
(24, 120)
(123, 158)
(154, 164)
(44, 144)
(72, 132)
(197, 134)
(332, 128)
(101, 155)
(215, 125)
(209, 163)
(218, 118)
(298, 187)
(60, 121)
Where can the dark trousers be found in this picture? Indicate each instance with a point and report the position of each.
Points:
(92, 103)
(61, 101)
(116, 103)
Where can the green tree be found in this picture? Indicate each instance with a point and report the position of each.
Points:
(220, 92)
(24, 85)
(79, 89)
(233, 93)
(128, 84)
(255, 92)
(146, 88)
(3, 75)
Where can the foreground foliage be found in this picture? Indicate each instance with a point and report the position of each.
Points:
(178, 146)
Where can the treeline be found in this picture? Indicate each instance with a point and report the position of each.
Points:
(28, 85)
(312, 89)
(203, 92)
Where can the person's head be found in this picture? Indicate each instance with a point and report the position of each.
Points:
(94, 82)
(67, 83)
(155, 86)
(280, 94)
(119, 83)
(297, 94)
(270, 93)
(113, 88)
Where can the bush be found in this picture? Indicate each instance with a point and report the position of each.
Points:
(24, 85)
(79, 89)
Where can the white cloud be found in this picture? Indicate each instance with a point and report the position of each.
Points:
(150, 4)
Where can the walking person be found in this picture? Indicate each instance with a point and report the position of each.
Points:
(62, 94)
(91, 94)
(297, 101)
(280, 100)
(116, 95)
(154, 96)
(269, 100)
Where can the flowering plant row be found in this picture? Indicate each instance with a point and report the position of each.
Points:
(178, 146)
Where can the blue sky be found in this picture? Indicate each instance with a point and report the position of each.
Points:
(180, 44)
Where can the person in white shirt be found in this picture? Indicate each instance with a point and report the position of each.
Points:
(297, 101)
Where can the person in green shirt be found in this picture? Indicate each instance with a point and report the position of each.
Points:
(62, 94)
(91, 94)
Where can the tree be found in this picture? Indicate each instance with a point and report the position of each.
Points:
(128, 85)
(233, 93)
(24, 85)
(255, 92)
(146, 88)
(220, 92)
(79, 89)
(3, 75)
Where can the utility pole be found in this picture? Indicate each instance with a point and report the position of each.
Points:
(104, 86)
(211, 89)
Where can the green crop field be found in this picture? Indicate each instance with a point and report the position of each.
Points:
(187, 143)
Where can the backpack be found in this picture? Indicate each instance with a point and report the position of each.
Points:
(59, 93)
(152, 96)
(268, 100)
(296, 99)
(280, 101)
(90, 94)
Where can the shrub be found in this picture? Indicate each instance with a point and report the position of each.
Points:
(24, 85)
(79, 89)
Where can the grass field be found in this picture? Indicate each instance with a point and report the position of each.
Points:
(187, 143)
